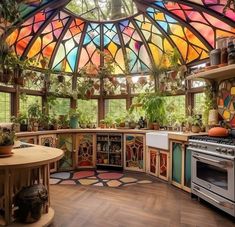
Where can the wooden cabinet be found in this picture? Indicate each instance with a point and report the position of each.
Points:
(85, 150)
(49, 141)
(134, 150)
(65, 143)
(180, 165)
(158, 163)
(109, 150)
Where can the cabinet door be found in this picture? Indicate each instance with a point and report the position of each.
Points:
(29, 139)
(135, 152)
(177, 164)
(163, 165)
(65, 143)
(49, 141)
(187, 169)
(152, 164)
(85, 150)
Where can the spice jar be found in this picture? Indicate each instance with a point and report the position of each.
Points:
(215, 56)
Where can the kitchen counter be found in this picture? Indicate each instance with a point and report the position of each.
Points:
(184, 136)
(87, 130)
(172, 134)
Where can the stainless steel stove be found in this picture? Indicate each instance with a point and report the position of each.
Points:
(213, 171)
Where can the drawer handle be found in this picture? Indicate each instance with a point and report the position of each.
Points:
(224, 204)
(225, 164)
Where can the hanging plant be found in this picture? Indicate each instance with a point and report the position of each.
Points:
(142, 80)
(44, 62)
(61, 78)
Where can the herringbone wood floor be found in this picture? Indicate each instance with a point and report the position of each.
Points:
(149, 205)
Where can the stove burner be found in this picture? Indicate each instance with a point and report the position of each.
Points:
(218, 140)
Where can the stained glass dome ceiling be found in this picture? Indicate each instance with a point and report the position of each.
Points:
(71, 42)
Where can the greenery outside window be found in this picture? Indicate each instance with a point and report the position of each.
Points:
(61, 107)
(199, 101)
(175, 109)
(115, 107)
(27, 100)
(89, 111)
(5, 104)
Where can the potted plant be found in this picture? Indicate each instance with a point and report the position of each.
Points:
(7, 138)
(195, 121)
(34, 114)
(73, 118)
(102, 123)
(54, 121)
(154, 106)
(63, 121)
(22, 119)
(16, 122)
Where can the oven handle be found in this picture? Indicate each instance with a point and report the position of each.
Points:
(225, 164)
(224, 204)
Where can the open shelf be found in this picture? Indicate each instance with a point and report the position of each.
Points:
(217, 74)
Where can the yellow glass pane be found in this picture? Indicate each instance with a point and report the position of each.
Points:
(156, 52)
(192, 54)
(233, 91)
(112, 48)
(35, 49)
(146, 26)
(159, 16)
(177, 30)
(181, 44)
(11, 39)
(226, 115)
(204, 55)
(193, 39)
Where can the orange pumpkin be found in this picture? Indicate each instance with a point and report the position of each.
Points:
(218, 132)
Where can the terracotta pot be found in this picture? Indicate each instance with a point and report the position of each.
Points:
(5, 149)
(122, 124)
(156, 126)
(43, 63)
(102, 126)
(195, 129)
(19, 81)
(142, 80)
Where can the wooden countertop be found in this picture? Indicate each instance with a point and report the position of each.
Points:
(96, 130)
(31, 156)
(183, 136)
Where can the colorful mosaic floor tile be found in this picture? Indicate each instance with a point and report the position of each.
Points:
(99, 178)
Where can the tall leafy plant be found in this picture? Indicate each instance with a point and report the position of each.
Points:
(154, 106)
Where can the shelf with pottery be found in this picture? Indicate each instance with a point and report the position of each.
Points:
(27, 166)
(217, 74)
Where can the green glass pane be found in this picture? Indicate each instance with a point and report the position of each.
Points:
(177, 163)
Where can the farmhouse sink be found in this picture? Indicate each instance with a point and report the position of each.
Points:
(158, 139)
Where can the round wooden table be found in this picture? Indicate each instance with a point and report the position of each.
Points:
(26, 167)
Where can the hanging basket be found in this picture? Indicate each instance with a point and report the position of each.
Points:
(61, 78)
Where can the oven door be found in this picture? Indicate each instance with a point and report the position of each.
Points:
(213, 173)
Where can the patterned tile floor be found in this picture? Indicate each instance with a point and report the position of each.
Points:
(100, 178)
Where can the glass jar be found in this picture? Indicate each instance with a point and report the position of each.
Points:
(215, 56)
